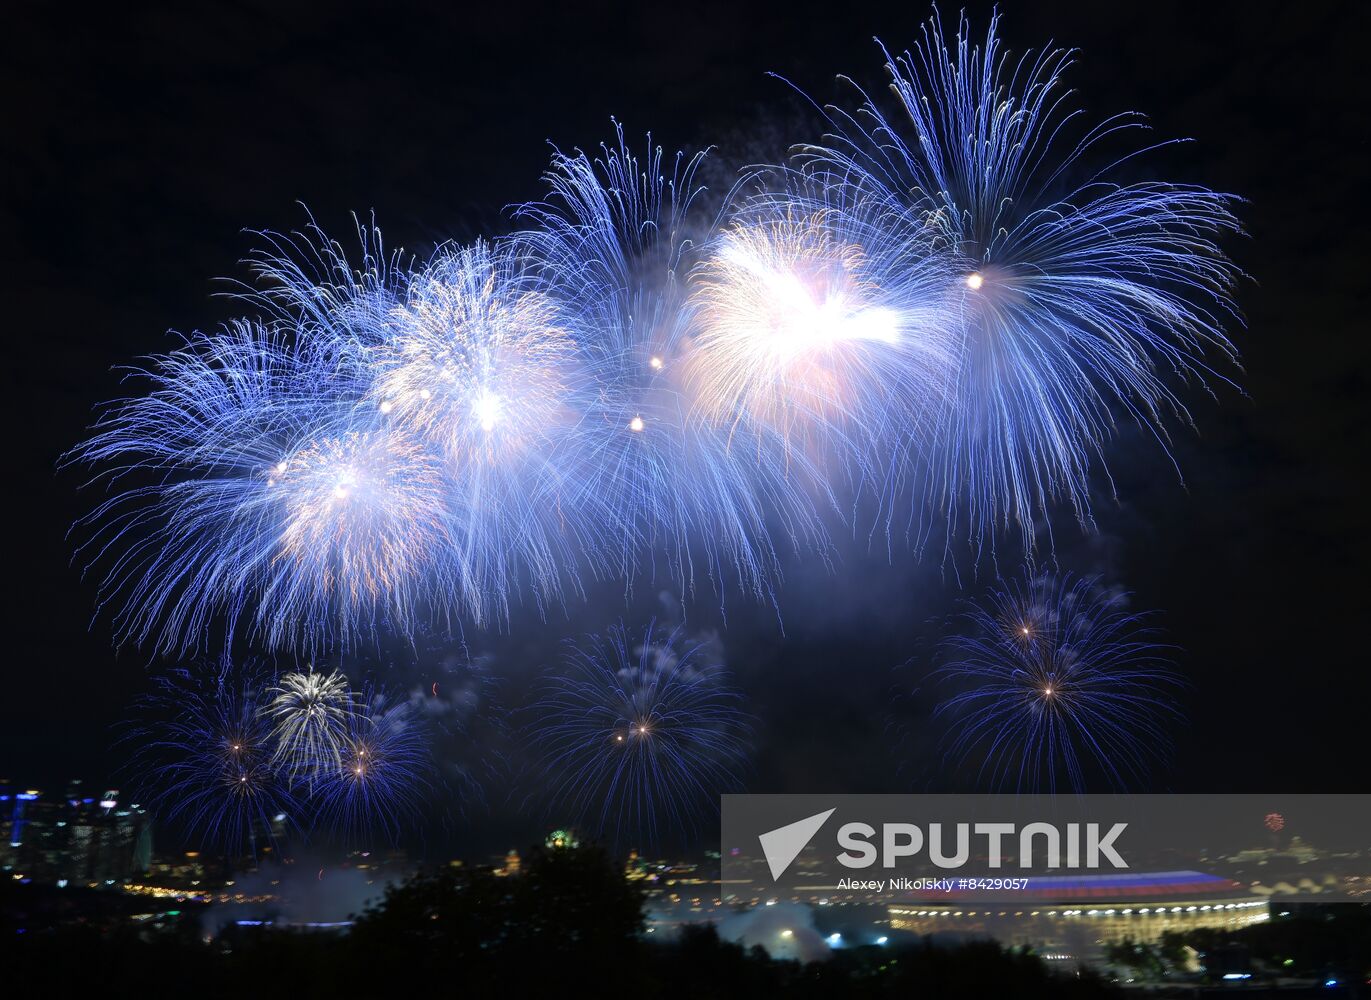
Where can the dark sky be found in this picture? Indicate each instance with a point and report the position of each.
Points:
(140, 143)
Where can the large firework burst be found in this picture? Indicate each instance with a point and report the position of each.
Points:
(618, 236)
(1078, 292)
(944, 305)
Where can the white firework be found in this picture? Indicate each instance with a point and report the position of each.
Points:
(310, 714)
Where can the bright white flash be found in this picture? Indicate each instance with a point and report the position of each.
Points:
(788, 330)
(487, 409)
(347, 482)
(802, 318)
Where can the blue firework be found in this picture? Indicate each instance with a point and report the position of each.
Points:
(1055, 680)
(1079, 295)
(946, 304)
(247, 495)
(638, 734)
(819, 328)
(378, 781)
(469, 356)
(204, 759)
(478, 363)
(618, 236)
(340, 301)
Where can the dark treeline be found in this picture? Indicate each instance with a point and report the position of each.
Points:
(569, 923)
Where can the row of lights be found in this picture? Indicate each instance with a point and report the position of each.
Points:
(1154, 911)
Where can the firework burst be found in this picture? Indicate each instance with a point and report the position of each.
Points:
(1077, 292)
(476, 359)
(477, 363)
(617, 238)
(191, 533)
(205, 758)
(245, 493)
(362, 529)
(311, 716)
(939, 312)
(806, 329)
(782, 304)
(1057, 680)
(382, 771)
(638, 734)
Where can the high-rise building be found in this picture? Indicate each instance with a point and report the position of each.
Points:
(77, 838)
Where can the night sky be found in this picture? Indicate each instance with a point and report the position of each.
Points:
(140, 145)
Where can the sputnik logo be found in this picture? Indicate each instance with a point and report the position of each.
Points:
(784, 844)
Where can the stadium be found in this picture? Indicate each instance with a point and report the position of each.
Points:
(1076, 917)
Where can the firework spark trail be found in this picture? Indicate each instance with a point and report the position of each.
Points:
(340, 302)
(383, 771)
(1057, 679)
(639, 733)
(1075, 299)
(477, 362)
(204, 758)
(618, 236)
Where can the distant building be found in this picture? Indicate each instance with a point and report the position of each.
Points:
(75, 839)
